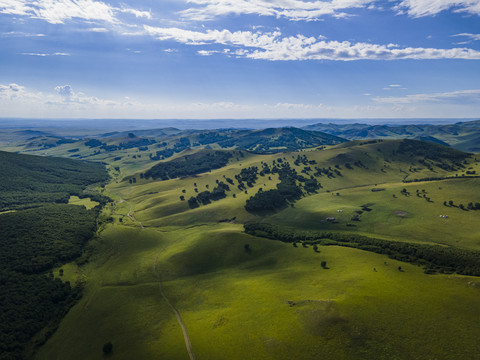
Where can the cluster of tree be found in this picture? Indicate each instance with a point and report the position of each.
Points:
(405, 192)
(302, 159)
(131, 142)
(436, 178)
(470, 205)
(265, 200)
(247, 175)
(311, 185)
(197, 163)
(423, 194)
(135, 142)
(28, 180)
(181, 145)
(211, 137)
(287, 189)
(91, 143)
(329, 172)
(433, 258)
(206, 197)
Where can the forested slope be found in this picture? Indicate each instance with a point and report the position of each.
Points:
(34, 241)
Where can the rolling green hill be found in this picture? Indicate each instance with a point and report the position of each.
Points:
(272, 244)
(462, 135)
(354, 295)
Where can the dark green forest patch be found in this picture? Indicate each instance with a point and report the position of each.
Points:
(28, 181)
(33, 241)
(197, 163)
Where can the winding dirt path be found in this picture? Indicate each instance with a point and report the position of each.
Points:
(130, 215)
(188, 343)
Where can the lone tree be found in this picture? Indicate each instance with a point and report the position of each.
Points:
(323, 264)
(107, 348)
(248, 250)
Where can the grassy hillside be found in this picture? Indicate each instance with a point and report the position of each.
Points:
(274, 302)
(242, 296)
(135, 150)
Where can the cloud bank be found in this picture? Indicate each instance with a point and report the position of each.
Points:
(420, 8)
(273, 46)
(444, 97)
(295, 10)
(59, 11)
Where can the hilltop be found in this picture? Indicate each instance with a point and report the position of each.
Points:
(461, 135)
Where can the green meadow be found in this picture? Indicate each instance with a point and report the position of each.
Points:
(246, 297)
(86, 202)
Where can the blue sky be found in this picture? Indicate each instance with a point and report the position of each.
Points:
(240, 59)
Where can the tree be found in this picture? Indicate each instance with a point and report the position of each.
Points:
(247, 248)
(192, 203)
(107, 348)
(323, 264)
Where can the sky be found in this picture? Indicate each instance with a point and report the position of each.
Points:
(214, 59)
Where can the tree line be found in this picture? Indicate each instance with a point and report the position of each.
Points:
(433, 258)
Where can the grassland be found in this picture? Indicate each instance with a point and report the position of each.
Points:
(236, 304)
(86, 202)
(271, 300)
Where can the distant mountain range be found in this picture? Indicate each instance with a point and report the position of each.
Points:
(462, 135)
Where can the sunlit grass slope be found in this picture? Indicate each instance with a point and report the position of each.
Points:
(274, 302)
(243, 297)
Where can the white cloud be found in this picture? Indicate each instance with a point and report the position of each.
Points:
(452, 96)
(468, 35)
(272, 46)
(59, 11)
(296, 10)
(97, 29)
(420, 8)
(10, 89)
(64, 91)
(15, 93)
(20, 34)
(45, 54)
(138, 13)
(207, 53)
(19, 101)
